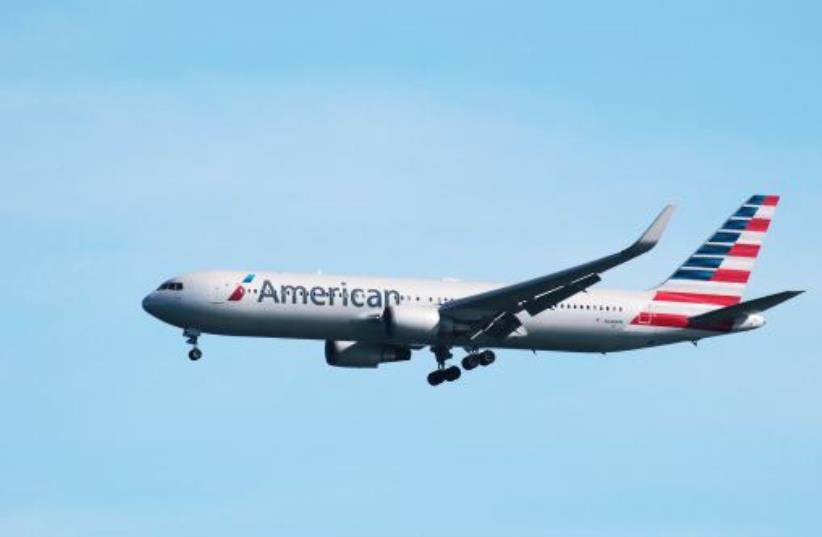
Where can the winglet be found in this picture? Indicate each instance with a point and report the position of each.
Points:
(652, 235)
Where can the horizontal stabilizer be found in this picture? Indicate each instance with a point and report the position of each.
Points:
(740, 311)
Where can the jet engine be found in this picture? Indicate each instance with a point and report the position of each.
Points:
(419, 324)
(359, 354)
(411, 322)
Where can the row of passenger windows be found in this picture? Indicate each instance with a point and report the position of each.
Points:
(438, 300)
(403, 298)
(171, 286)
(588, 307)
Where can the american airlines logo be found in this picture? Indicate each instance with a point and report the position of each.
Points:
(317, 295)
(239, 292)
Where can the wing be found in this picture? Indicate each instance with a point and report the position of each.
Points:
(494, 312)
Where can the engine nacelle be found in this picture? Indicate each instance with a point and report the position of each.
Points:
(418, 324)
(411, 323)
(358, 354)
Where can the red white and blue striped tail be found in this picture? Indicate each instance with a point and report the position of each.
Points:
(716, 274)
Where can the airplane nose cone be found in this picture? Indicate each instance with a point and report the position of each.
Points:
(161, 306)
(150, 305)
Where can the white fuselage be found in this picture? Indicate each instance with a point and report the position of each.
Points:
(350, 308)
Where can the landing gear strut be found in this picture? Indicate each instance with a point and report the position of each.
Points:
(442, 373)
(191, 338)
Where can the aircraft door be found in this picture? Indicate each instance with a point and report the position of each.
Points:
(220, 291)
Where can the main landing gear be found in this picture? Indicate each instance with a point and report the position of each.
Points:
(442, 373)
(450, 374)
(476, 359)
(191, 338)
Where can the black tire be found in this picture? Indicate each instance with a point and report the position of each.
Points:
(470, 362)
(452, 373)
(195, 354)
(487, 358)
(435, 378)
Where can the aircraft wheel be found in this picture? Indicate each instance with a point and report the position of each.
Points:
(487, 358)
(195, 354)
(452, 373)
(470, 362)
(435, 378)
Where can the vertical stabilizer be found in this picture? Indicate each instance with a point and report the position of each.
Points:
(716, 274)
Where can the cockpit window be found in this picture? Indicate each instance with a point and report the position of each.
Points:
(171, 286)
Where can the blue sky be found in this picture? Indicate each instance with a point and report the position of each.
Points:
(484, 140)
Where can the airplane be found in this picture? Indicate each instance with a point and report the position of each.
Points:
(368, 321)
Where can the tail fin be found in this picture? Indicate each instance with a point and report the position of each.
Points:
(716, 274)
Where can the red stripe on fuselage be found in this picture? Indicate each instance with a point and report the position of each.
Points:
(744, 250)
(731, 275)
(669, 320)
(758, 224)
(697, 298)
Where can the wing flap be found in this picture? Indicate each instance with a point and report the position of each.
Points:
(500, 327)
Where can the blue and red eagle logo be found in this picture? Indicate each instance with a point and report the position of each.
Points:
(239, 292)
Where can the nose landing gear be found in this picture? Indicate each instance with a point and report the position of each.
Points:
(191, 338)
